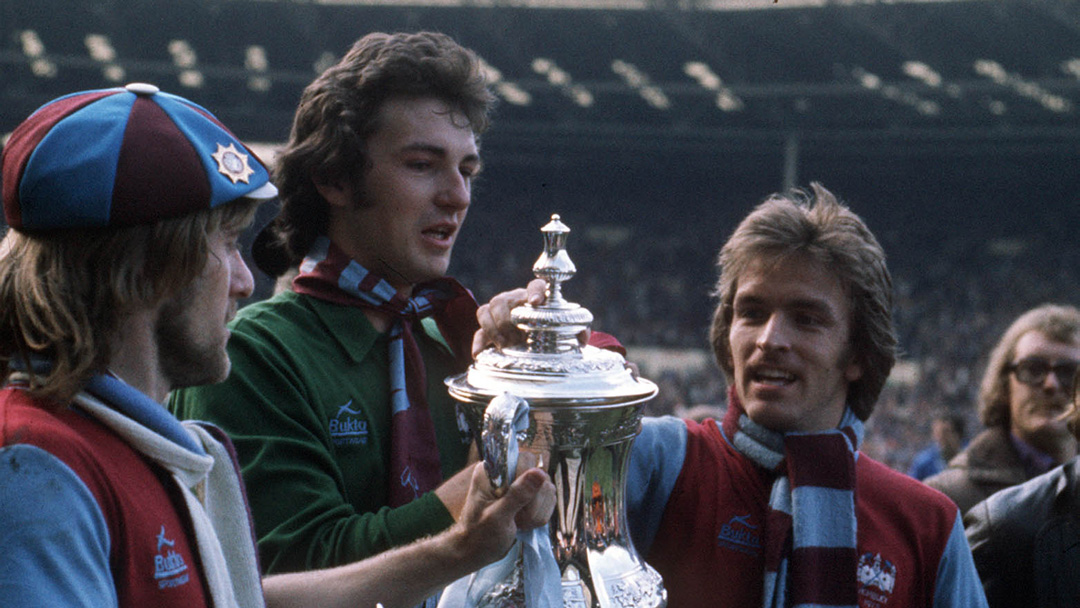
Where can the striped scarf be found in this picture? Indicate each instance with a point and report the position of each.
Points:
(811, 529)
(327, 273)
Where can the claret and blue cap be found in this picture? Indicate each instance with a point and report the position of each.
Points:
(123, 157)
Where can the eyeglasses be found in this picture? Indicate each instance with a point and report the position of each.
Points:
(1033, 371)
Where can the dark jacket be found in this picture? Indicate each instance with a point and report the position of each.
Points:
(988, 464)
(1026, 541)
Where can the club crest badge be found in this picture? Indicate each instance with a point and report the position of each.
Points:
(877, 579)
(232, 164)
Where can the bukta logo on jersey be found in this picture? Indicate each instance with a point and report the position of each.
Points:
(169, 567)
(348, 427)
(740, 535)
(877, 578)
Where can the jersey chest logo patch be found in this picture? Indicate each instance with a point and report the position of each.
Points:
(348, 427)
(738, 534)
(169, 567)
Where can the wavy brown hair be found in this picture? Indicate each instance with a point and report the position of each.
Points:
(818, 225)
(340, 110)
(64, 295)
(1057, 322)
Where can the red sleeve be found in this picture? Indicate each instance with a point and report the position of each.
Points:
(606, 341)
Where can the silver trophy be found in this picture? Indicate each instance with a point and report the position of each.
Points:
(584, 412)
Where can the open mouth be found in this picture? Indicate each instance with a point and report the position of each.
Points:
(439, 233)
(772, 377)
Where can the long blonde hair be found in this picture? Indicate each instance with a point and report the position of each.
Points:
(64, 294)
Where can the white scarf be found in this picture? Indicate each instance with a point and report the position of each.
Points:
(211, 488)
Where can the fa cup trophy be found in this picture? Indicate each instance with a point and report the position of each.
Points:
(584, 411)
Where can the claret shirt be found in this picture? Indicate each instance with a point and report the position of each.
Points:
(697, 513)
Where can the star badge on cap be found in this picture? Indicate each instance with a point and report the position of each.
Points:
(232, 164)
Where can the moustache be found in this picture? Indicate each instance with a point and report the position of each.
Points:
(1056, 404)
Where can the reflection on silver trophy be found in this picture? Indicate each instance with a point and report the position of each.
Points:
(585, 409)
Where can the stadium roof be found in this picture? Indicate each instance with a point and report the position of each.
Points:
(674, 71)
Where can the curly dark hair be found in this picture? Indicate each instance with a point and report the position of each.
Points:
(340, 110)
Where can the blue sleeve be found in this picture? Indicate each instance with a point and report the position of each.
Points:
(655, 463)
(926, 463)
(54, 538)
(918, 466)
(958, 584)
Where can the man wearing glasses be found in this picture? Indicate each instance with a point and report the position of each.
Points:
(1024, 538)
(1024, 395)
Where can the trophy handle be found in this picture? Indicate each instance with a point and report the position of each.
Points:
(505, 420)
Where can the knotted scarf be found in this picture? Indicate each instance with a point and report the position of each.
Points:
(810, 529)
(327, 273)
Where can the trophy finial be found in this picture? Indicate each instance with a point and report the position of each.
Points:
(553, 327)
(554, 264)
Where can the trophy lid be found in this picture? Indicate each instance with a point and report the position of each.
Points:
(552, 368)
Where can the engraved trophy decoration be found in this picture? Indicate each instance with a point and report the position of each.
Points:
(584, 411)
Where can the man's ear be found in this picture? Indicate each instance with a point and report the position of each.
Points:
(853, 371)
(337, 192)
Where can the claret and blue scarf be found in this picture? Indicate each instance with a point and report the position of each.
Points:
(327, 273)
(811, 528)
